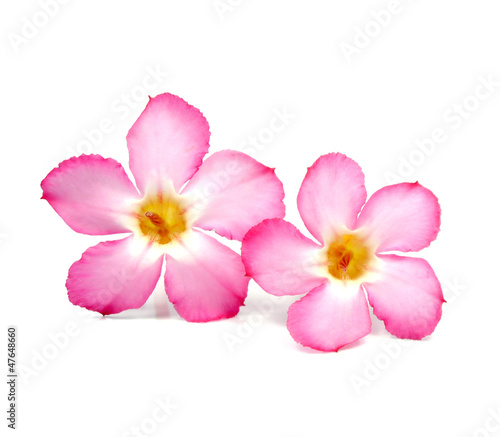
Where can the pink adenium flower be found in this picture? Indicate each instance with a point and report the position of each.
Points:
(177, 195)
(354, 237)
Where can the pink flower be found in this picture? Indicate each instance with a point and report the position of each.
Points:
(351, 257)
(177, 195)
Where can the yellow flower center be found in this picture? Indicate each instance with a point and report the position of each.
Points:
(348, 257)
(161, 219)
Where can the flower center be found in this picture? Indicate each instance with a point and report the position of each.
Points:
(161, 219)
(348, 257)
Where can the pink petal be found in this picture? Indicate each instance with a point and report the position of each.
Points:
(90, 193)
(408, 297)
(205, 280)
(329, 317)
(280, 259)
(404, 217)
(233, 192)
(113, 276)
(331, 195)
(167, 142)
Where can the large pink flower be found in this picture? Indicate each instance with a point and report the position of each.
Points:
(353, 237)
(178, 194)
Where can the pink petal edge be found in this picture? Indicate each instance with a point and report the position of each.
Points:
(329, 318)
(112, 277)
(234, 192)
(205, 280)
(280, 259)
(331, 195)
(90, 194)
(167, 142)
(404, 217)
(408, 297)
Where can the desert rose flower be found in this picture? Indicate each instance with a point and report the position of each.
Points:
(354, 237)
(178, 194)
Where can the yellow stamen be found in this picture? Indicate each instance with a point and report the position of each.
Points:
(161, 219)
(348, 257)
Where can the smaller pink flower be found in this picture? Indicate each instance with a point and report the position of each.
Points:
(178, 194)
(354, 236)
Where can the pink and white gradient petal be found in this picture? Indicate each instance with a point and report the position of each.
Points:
(167, 142)
(407, 297)
(204, 279)
(329, 317)
(114, 276)
(331, 195)
(280, 259)
(404, 217)
(233, 192)
(91, 194)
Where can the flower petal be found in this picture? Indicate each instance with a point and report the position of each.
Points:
(404, 217)
(204, 279)
(91, 194)
(233, 192)
(408, 297)
(113, 276)
(331, 195)
(330, 317)
(280, 259)
(167, 142)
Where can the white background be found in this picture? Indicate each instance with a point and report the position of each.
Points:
(238, 67)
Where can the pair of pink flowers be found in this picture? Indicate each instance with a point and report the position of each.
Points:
(180, 194)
